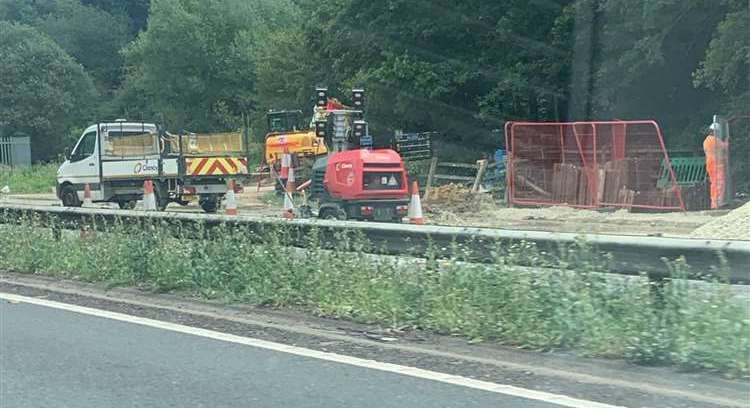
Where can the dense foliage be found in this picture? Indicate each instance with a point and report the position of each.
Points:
(542, 306)
(42, 89)
(462, 68)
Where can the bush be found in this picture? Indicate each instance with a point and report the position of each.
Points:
(546, 306)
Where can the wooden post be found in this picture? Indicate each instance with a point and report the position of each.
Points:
(430, 177)
(482, 167)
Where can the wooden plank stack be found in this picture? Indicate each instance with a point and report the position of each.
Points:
(573, 185)
(566, 183)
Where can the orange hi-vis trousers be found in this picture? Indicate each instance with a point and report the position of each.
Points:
(716, 151)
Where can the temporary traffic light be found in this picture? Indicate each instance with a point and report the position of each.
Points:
(321, 97)
(361, 136)
(320, 128)
(360, 129)
(358, 99)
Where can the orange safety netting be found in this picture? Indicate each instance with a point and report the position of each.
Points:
(590, 165)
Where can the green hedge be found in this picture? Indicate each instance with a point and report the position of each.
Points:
(552, 306)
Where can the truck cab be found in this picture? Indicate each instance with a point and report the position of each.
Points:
(120, 150)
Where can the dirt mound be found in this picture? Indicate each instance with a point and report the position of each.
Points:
(735, 225)
(450, 204)
(450, 196)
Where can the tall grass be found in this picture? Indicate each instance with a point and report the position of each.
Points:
(39, 178)
(545, 307)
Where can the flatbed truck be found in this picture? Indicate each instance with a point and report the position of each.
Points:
(115, 158)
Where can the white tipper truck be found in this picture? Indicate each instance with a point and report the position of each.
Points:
(115, 159)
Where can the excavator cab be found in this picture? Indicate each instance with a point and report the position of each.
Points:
(284, 121)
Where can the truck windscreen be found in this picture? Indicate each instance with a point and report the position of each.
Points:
(130, 143)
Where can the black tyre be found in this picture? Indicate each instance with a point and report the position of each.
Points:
(126, 204)
(209, 205)
(69, 197)
(161, 205)
(162, 201)
(332, 213)
(327, 214)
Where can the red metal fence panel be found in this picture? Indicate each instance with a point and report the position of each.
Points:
(589, 165)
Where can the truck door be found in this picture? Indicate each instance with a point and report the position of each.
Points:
(84, 165)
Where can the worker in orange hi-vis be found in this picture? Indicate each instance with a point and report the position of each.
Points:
(716, 159)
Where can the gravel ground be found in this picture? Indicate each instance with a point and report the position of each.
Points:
(735, 225)
(486, 213)
(566, 219)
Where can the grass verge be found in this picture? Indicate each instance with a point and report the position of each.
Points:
(39, 178)
(543, 307)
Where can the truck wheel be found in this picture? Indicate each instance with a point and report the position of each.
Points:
(159, 195)
(126, 205)
(69, 197)
(209, 205)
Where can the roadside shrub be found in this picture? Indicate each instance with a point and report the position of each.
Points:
(525, 298)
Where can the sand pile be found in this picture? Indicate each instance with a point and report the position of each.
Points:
(452, 196)
(451, 204)
(735, 225)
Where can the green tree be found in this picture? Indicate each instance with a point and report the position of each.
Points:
(726, 68)
(92, 36)
(44, 92)
(642, 60)
(458, 67)
(194, 64)
(726, 72)
(136, 10)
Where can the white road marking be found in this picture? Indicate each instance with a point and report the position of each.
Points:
(556, 399)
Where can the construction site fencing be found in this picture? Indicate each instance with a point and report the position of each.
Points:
(591, 165)
(15, 151)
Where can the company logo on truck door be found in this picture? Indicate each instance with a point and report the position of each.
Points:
(216, 166)
(141, 168)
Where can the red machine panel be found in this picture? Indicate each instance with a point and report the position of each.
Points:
(366, 174)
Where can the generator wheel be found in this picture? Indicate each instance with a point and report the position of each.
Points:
(332, 213)
(126, 204)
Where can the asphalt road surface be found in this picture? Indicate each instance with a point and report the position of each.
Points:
(59, 358)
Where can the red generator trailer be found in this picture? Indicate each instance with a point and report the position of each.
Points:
(361, 184)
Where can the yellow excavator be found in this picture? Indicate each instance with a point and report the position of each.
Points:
(287, 132)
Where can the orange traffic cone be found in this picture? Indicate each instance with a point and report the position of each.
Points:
(149, 199)
(286, 162)
(230, 208)
(291, 180)
(288, 204)
(415, 206)
(87, 201)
